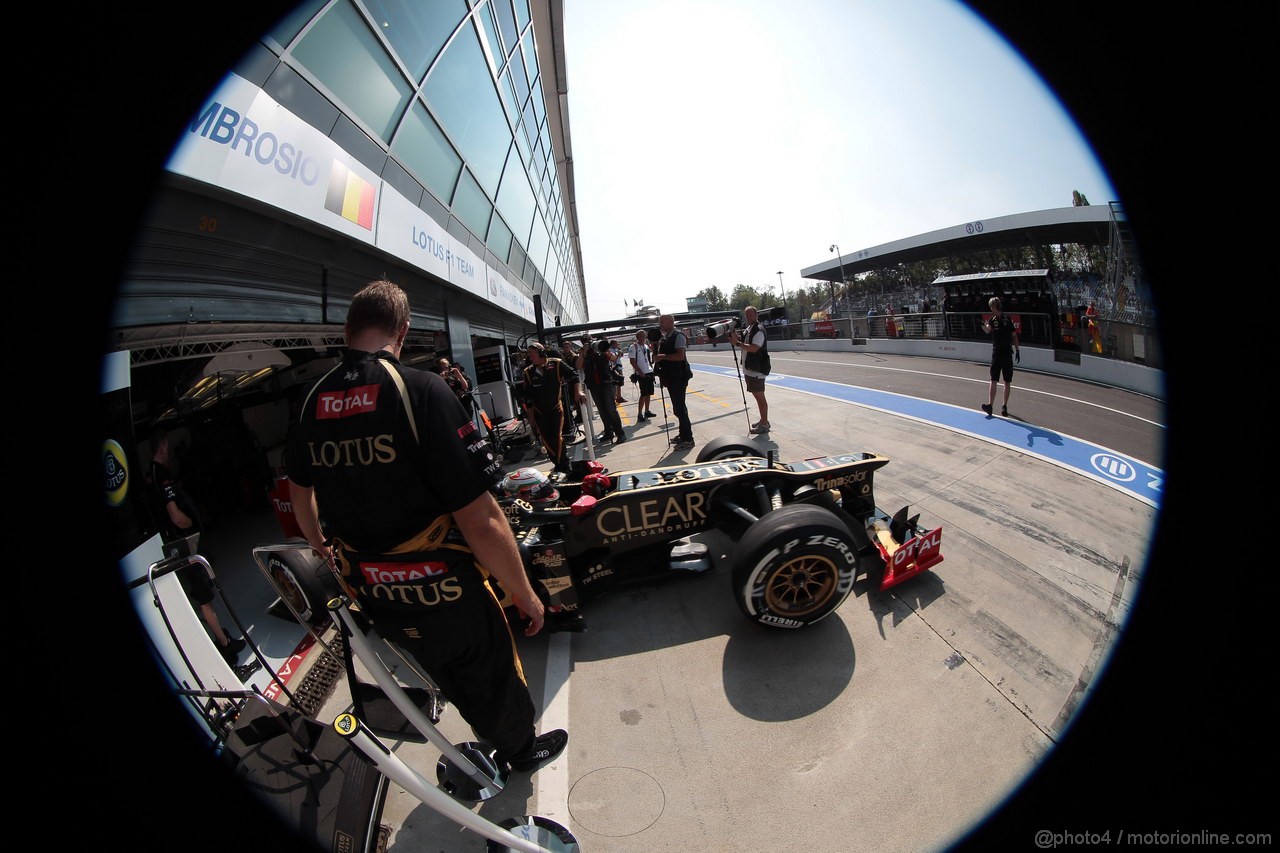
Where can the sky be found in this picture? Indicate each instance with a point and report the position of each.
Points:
(717, 142)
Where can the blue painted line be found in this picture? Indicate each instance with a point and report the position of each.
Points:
(1116, 470)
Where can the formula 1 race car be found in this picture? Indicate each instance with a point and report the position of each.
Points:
(804, 531)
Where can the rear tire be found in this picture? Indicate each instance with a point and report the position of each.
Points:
(728, 447)
(794, 567)
(303, 581)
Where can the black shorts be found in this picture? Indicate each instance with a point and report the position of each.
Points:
(195, 580)
(646, 385)
(1002, 365)
(755, 384)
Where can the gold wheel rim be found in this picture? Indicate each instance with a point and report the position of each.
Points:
(801, 585)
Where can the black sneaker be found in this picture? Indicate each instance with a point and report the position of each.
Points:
(545, 748)
(986, 407)
(1004, 410)
(641, 418)
(231, 651)
(650, 415)
(620, 439)
(683, 443)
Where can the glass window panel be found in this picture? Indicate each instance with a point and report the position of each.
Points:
(526, 152)
(539, 108)
(522, 13)
(538, 244)
(520, 79)
(499, 238)
(530, 55)
(531, 128)
(423, 149)
(539, 164)
(506, 20)
(491, 35)
(416, 30)
(539, 155)
(515, 201)
(343, 54)
(288, 27)
(471, 206)
(509, 98)
(462, 95)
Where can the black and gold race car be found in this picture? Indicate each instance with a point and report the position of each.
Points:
(803, 531)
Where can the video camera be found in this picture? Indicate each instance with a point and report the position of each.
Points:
(723, 327)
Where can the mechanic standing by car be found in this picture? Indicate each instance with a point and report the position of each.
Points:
(541, 387)
(755, 362)
(1004, 350)
(673, 369)
(398, 469)
(597, 372)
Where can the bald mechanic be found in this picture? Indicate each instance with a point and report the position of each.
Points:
(394, 463)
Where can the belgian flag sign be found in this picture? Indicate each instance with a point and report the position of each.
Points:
(350, 196)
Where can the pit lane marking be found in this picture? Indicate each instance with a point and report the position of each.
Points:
(1022, 389)
(1057, 448)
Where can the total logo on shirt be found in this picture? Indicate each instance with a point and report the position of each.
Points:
(352, 401)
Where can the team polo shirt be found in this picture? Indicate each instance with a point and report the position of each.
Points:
(1002, 330)
(376, 482)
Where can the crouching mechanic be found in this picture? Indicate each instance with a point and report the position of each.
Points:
(394, 463)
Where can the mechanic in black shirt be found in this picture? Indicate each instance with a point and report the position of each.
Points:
(398, 469)
(543, 379)
(1004, 349)
(179, 518)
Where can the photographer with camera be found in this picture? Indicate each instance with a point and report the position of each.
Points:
(755, 362)
(673, 369)
(642, 373)
(456, 378)
(597, 371)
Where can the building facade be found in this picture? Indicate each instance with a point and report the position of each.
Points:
(422, 142)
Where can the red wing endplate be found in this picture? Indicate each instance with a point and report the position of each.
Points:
(916, 555)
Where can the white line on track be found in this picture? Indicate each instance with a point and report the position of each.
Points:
(553, 780)
(1021, 389)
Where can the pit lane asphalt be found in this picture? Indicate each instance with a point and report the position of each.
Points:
(899, 722)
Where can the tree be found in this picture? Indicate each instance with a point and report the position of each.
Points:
(716, 300)
(745, 294)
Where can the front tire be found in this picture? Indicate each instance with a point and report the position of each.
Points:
(728, 447)
(794, 567)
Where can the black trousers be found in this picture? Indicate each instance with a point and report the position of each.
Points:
(602, 396)
(676, 391)
(470, 654)
(550, 426)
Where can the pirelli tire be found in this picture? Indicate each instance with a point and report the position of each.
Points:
(728, 447)
(303, 581)
(794, 566)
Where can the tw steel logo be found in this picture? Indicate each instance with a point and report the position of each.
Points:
(352, 401)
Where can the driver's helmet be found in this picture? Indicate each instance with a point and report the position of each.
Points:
(530, 484)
